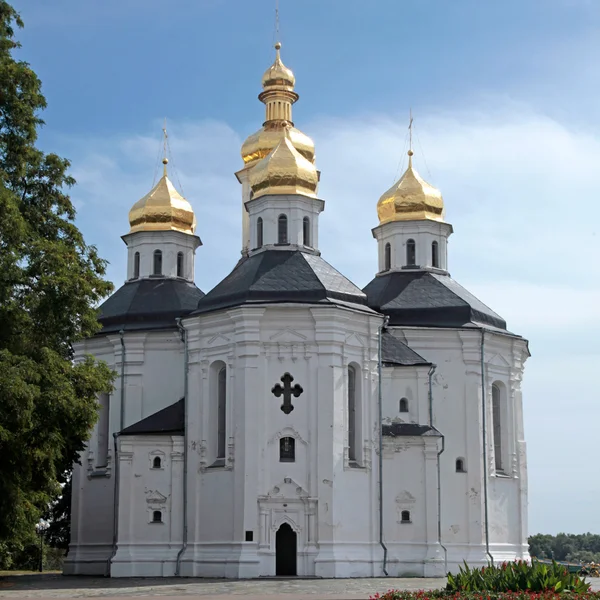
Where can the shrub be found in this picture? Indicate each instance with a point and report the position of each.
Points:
(516, 577)
(444, 595)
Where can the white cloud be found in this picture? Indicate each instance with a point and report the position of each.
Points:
(520, 190)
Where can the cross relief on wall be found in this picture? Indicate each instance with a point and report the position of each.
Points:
(287, 391)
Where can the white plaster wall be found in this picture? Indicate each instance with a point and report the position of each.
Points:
(296, 207)
(146, 548)
(424, 233)
(169, 243)
(153, 380)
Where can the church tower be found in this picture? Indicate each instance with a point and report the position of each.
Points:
(278, 96)
(412, 233)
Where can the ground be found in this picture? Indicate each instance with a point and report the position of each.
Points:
(57, 586)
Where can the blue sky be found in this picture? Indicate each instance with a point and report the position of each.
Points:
(505, 99)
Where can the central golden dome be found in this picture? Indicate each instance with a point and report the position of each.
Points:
(411, 199)
(278, 95)
(284, 171)
(162, 209)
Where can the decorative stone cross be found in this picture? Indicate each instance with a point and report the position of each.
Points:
(287, 391)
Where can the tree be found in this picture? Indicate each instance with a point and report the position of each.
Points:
(50, 281)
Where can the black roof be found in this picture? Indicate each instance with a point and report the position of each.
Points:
(152, 303)
(408, 429)
(168, 421)
(428, 299)
(396, 352)
(276, 276)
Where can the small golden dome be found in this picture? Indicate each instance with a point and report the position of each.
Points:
(278, 74)
(162, 209)
(411, 199)
(284, 171)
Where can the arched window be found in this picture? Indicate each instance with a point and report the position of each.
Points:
(435, 259)
(403, 405)
(287, 449)
(497, 426)
(306, 231)
(221, 411)
(157, 266)
(460, 465)
(259, 232)
(282, 230)
(156, 463)
(411, 253)
(136, 265)
(405, 516)
(180, 264)
(387, 257)
(157, 516)
(351, 413)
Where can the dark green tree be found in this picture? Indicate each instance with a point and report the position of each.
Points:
(50, 281)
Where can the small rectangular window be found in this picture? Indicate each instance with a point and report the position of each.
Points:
(287, 449)
(249, 536)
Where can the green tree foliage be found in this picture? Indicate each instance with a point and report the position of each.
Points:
(584, 547)
(50, 280)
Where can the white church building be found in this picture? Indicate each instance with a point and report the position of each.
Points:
(287, 422)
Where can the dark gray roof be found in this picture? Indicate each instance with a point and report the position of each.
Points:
(396, 352)
(168, 421)
(408, 429)
(427, 299)
(276, 276)
(152, 303)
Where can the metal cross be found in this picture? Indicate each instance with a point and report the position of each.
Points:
(287, 391)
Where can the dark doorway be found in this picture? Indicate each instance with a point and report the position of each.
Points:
(285, 551)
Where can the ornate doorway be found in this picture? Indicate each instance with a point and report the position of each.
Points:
(286, 544)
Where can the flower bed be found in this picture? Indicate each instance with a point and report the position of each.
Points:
(517, 580)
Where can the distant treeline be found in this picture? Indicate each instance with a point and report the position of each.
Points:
(584, 547)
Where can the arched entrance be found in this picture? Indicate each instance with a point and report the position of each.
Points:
(285, 551)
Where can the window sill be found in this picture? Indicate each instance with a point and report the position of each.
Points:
(282, 244)
(405, 522)
(502, 475)
(218, 464)
(99, 472)
(355, 466)
(287, 460)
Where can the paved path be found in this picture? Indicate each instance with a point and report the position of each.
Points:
(56, 586)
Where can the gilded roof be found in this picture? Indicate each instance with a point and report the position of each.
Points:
(411, 199)
(162, 209)
(284, 171)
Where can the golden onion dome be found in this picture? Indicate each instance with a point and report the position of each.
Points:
(162, 209)
(284, 171)
(259, 144)
(411, 199)
(278, 74)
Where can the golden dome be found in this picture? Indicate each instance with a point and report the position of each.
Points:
(278, 74)
(411, 199)
(284, 171)
(259, 144)
(162, 209)
(278, 95)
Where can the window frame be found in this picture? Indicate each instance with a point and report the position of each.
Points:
(411, 253)
(403, 406)
(498, 429)
(352, 429)
(405, 517)
(180, 264)
(221, 413)
(387, 257)
(282, 230)
(306, 232)
(435, 255)
(259, 232)
(287, 455)
(160, 516)
(136, 265)
(157, 263)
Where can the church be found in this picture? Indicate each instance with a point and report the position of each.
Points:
(287, 422)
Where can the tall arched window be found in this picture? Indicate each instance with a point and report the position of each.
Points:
(435, 259)
(136, 265)
(157, 266)
(282, 230)
(180, 264)
(411, 253)
(306, 231)
(259, 232)
(497, 425)
(387, 257)
(221, 412)
(403, 405)
(351, 413)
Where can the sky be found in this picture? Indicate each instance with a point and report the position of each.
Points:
(507, 120)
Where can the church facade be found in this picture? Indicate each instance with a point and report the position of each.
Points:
(288, 422)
